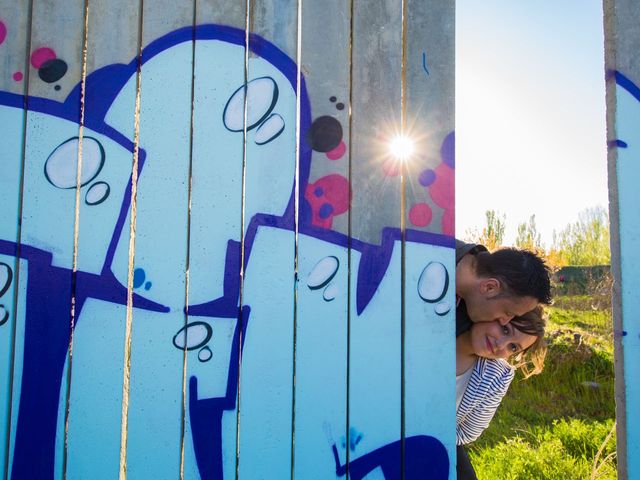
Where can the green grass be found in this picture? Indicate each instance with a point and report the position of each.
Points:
(552, 425)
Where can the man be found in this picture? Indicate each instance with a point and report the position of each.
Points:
(498, 285)
(495, 286)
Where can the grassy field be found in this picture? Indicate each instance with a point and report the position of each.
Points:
(559, 424)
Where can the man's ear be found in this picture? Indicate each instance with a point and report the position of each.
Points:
(490, 287)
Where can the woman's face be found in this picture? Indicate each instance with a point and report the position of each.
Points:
(492, 340)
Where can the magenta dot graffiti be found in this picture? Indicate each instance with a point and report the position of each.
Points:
(42, 55)
(3, 32)
(18, 76)
(338, 152)
(328, 197)
(420, 215)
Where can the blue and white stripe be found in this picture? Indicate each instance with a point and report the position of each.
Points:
(489, 382)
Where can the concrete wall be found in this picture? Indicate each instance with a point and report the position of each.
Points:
(210, 266)
(622, 44)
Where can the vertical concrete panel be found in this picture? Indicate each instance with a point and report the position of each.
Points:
(623, 108)
(154, 437)
(430, 81)
(266, 388)
(429, 400)
(113, 33)
(95, 404)
(14, 30)
(375, 336)
(18, 350)
(429, 340)
(232, 14)
(321, 359)
(214, 251)
(327, 73)
(375, 381)
(56, 48)
(376, 117)
(322, 302)
(48, 218)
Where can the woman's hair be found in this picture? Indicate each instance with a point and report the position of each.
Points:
(531, 359)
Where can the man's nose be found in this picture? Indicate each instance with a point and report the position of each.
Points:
(504, 319)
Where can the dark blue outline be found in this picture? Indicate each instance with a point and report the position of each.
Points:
(627, 84)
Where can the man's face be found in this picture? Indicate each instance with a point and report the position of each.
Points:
(490, 303)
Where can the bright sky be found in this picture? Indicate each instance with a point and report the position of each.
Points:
(530, 112)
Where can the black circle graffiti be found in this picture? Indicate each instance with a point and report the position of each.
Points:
(52, 70)
(325, 134)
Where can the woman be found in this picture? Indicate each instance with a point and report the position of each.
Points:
(483, 373)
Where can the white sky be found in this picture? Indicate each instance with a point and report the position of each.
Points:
(530, 112)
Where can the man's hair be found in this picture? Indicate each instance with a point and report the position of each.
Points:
(522, 272)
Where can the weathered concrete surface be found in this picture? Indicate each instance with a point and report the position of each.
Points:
(622, 44)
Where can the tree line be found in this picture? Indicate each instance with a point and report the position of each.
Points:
(584, 242)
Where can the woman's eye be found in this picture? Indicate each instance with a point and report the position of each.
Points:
(505, 330)
(513, 347)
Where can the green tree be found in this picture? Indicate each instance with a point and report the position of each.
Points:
(585, 242)
(492, 234)
(529, 237)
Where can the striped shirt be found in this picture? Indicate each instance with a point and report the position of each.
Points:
(489, 382)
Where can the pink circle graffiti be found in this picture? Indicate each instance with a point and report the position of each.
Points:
(328, 197)
(337, 152)
(17, 76)
(442, 193)
(42, 55)
(3, 32)
(420, 215)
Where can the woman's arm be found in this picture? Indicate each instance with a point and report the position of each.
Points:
(481, 399)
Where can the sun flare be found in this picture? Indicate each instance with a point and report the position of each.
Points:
(401, 147)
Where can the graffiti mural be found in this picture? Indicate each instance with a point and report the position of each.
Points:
(220, 163)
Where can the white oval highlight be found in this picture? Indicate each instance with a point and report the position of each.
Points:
(205, 354)
(192, 336)
(330, 292)
(270, 129)
(323, 272)
(61, 168)
(442, 308)
(433, 282)
(262, 95)
(97, 193)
